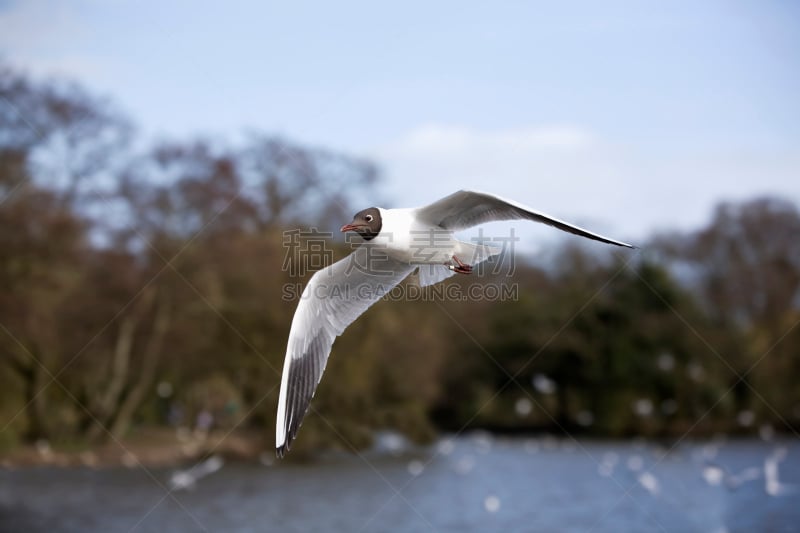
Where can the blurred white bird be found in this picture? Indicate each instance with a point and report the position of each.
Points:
(772, 484)
(715, 475)
(186, 479)
(649, 482)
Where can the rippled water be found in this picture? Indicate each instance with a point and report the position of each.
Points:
(474, 483)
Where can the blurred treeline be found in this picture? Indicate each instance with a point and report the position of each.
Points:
(142, 284)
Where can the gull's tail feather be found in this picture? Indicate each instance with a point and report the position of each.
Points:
(473, 254)
(432, 274)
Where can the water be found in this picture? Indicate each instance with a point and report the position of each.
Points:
(473, 483)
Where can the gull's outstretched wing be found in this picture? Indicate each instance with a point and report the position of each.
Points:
(334, 297)
(464, 209)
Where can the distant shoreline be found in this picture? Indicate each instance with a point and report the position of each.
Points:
(152, 447)
(167, 448)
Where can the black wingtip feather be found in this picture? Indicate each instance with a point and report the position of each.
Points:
(281, 450)
(302, 382)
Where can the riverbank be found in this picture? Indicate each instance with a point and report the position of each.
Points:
(170, 447)
(151, 447)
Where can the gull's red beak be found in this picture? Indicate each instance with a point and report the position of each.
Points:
(351, 227)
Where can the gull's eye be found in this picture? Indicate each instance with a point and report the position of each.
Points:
(368, 218)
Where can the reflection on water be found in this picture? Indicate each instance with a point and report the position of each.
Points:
(473, 483)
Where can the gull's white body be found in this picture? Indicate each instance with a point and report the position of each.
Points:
(409, 239)
(396, 235)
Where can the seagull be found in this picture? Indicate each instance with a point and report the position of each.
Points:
(715, 474)
(186, 479)
(772, 485)
(393, 244)
(649, 482)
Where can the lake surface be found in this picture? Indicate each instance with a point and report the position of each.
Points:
(473, 483)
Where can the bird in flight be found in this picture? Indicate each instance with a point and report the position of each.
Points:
(395, 243)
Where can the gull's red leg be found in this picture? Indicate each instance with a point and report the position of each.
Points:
(460, 267)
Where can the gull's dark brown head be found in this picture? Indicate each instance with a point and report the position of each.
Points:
(366, 223)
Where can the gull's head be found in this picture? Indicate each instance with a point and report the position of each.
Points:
(366, 223)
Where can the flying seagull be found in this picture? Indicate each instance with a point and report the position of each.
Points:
(395, 243)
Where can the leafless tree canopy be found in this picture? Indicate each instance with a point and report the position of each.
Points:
(123, 268)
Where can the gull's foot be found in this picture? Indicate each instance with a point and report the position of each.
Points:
(460, 267)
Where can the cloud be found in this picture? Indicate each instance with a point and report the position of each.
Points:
(446, 140)
(559, 169)
(447, 156)
(623, 189)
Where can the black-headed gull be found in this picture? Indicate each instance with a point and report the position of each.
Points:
(395, 243)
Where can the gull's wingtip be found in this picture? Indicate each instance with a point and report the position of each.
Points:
(281, 450)
(282, 444)
(622, 244)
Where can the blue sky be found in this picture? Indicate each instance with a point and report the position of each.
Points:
(625, 117)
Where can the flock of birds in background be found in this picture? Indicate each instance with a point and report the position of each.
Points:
(610, 464)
